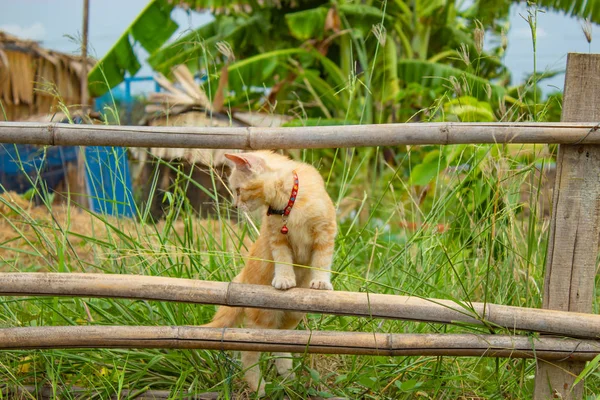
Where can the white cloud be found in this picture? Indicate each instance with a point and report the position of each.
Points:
(35, 31)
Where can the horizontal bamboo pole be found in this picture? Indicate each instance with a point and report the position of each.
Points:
(76, 392)
(296, 341)
(48, 392)
(308, 300)
(298, 137)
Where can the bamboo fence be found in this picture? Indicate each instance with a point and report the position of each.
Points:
(308, 300)
(48, 392)
(296, 341)
(251, 138)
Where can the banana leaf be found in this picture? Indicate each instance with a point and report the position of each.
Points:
(228, 6)
(489, 10)
(385, 76)
(326, 94)
(193, 48)
(307, 24)
(178, 52)
(435, 75)
(362, 17)
(152, 27)
(575, 8)
(259, 71)
(468, 109)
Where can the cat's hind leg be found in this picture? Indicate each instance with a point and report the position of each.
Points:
(284, 365)
(256, 318)
(252, 373)
(284, 361)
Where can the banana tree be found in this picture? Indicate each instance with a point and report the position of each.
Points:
(151, 29)
(353, 61)
(337, 60)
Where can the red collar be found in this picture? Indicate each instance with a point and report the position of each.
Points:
(286, 211)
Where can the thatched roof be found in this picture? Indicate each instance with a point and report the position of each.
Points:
(33, 79)
(184, 103)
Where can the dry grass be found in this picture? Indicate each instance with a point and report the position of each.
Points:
(36, 235)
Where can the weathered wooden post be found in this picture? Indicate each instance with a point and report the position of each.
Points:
(575, 226)
(79, 191)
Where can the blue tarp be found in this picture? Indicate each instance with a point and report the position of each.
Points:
(109, 181)
(107, 173)
(20, 165)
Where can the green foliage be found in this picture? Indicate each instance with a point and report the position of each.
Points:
(259, 70)
(589, 9)
(185, 50)
(150, 29)
(468, 109)
(437, 75)
(361, 61)
(307, 24)
(590, 368)
(422, 30)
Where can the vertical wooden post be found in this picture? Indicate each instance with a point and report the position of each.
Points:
(81, 188)
(575, 225)
(84, 64)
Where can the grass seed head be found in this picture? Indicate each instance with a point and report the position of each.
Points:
(380, 33)
(225, 49)
(586, 27)
(456, 85)
(504, 39)
(463, 53)
(479, 37)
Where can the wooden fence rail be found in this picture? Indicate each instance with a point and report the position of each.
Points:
(294, 138)
(308, 300)
(296, 341)
(52, 392)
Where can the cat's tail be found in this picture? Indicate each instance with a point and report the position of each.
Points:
(226, 317)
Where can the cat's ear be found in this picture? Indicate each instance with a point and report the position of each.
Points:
(246, 162)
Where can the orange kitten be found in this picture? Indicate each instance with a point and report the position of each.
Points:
(267, 180)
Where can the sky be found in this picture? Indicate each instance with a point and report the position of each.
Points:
(557, 35)
(57, 25)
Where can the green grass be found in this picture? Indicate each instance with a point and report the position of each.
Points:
(492, 249)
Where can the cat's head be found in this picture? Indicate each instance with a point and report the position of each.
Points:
(246, 180)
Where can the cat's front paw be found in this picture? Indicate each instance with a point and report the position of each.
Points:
(320, 285)
(283, 282)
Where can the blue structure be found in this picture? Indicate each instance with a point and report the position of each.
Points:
(23, 165)
(109, 181)
(107, 168)
(122, 94)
